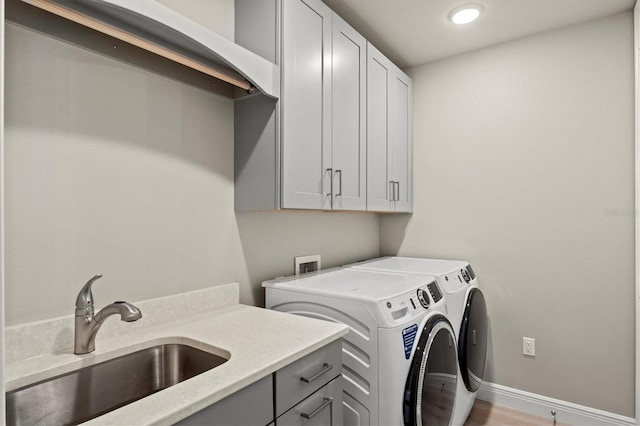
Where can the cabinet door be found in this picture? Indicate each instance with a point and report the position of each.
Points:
(379, 181)
(251, 406)
(322, 408)
(306, 105)
(348, 117)
(400, 142)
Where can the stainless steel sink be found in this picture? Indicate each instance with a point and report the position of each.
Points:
(91, 391)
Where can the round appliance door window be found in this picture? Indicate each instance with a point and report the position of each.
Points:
(472, 345)
(431, 385)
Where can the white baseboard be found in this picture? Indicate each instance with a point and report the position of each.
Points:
(539, 405)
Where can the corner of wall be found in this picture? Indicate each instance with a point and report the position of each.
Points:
(636, 39)
(2, 408)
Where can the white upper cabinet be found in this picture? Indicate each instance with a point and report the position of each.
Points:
(313, 141)
(349, 133)
(379, 183)
(401, 142)
(389, 135)
(323, 110)
(306, 105)
(323, 146)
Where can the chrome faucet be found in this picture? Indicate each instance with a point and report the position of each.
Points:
(87, 324)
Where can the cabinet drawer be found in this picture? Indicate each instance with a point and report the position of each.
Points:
(322, 408)
(300, 379)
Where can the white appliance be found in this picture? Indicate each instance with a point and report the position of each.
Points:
(467, 312)
(399, 357)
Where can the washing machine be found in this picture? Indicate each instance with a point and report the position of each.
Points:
(467, 311)
(399, 358)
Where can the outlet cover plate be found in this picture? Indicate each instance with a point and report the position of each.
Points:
(528, 346)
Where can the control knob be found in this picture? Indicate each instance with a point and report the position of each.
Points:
(423, 297)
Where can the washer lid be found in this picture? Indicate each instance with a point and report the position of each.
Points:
(412, 264)
(371, 286)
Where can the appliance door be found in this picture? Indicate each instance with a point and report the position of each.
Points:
(430, 389)
(472, 342)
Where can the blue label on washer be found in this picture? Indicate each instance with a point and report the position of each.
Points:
(408, 337)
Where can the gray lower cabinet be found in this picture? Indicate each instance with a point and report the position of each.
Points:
(323, 407)
(307, 391)
(250, 406)
(300, 379)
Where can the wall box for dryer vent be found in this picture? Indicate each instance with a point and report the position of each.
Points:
(306, 264)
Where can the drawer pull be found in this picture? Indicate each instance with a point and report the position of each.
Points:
(325, 367)
(326, 403)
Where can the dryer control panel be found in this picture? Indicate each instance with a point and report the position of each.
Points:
(467, 274)
(409, 305)
(435, 292)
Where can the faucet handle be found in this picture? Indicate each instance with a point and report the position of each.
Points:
(84, 301)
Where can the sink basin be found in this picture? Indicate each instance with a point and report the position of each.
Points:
(94, 390)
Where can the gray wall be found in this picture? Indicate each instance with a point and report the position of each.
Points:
(215, 14)
(523, 165)
(114, 169)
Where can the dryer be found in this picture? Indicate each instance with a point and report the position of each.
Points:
(466, 310)
(399, 357)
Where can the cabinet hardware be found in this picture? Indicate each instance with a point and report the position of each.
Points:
(330, 171)
(325, 367)
(397, 183)
(326, 403)
(340, 183)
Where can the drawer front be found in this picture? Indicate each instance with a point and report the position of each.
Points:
(322, 408)
(250, 406)
(300, 379)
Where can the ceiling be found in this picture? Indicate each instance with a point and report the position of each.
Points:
(413, 32)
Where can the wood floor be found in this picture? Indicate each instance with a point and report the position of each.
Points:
(485, 413)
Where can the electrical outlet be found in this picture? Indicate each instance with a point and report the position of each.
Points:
(306, 264)
(528, 346)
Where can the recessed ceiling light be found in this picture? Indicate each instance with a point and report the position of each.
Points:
(465, 14)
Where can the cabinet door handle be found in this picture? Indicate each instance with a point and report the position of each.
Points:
(340, 183)
(330, 171)
(326, 402)
(397, 191)
(393, 191)
(325, 367)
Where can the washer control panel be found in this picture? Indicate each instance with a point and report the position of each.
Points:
(436, 294)
(423, 297)
(411, 304)
(453, 281)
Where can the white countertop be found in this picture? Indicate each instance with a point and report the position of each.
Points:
(257, 342)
